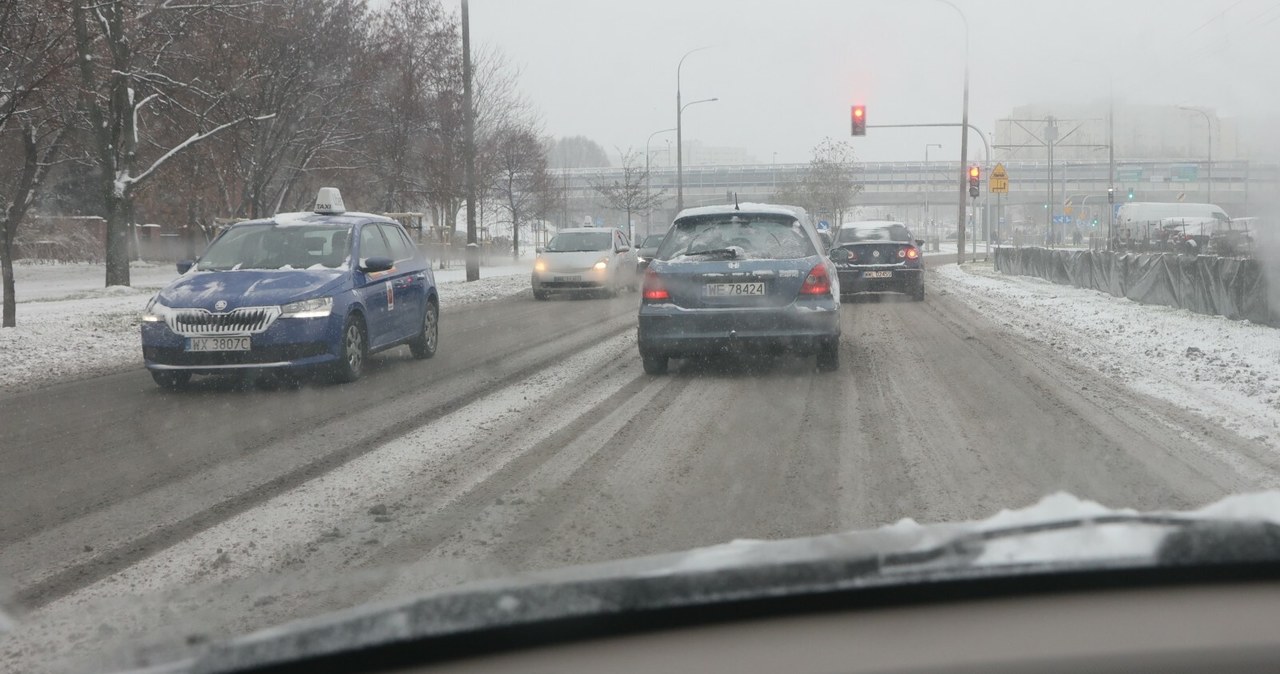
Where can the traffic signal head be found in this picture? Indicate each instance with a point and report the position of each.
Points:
(975, 175)
(1130, 194)
(858, 118)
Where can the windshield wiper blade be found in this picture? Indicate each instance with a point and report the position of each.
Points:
(732, 252)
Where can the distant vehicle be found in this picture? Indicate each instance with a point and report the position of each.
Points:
(648, 248)
(585, 260)
(739, 278)
(294, 292)
(879, 255)
(1139, 213)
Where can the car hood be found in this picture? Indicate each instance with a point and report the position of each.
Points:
(1059, 534)
(574, 260)
(249, 287)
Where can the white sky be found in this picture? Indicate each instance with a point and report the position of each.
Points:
(786, 71)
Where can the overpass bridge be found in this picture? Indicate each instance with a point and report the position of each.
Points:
(901, 189)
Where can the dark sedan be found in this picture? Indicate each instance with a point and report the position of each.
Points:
(878, 256)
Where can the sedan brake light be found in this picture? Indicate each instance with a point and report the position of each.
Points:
(818, 282)
(912, 253)
(654, 290)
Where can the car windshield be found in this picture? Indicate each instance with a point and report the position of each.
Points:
(743, 237)
(278, 247)
(314, 305)
(864, 234)
(575, 242)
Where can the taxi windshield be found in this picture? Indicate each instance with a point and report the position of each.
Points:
(270, 246)
(575, 242)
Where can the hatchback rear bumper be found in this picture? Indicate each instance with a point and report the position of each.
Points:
(805, 328)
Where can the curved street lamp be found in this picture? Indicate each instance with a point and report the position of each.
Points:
(964, 135)
(679, 135)
(648, 180)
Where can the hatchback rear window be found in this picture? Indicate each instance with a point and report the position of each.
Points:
(736, 237)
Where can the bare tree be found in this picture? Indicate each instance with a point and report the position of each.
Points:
(34, 55)
(829, 184)
(630, 195)
(522, 181)
(576, 152)
(126, 53)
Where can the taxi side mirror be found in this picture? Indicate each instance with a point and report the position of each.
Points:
(377, 264)
(185, 265)
(624, 249)
(920, 243)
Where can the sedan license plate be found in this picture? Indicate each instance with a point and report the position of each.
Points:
(877, 274)
(218, 344)
(734, 289)
(568, 279)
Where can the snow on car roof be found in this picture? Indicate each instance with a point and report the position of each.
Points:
(870, 224)
(309, 218)
(578, 230)
(730, 209)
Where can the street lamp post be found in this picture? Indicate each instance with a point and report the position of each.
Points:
(648, 181)
(964, 136)
(925, 183)
(1208, 123)
(680, 153)
(679, 133)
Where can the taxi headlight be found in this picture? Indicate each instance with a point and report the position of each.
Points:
(318, 307)
(155, 311)
(602, 264)
(540, 265)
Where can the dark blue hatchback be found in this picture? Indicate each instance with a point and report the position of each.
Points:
(299, 291)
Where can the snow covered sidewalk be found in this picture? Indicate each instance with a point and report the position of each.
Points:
(1228, 371)
(70, 327)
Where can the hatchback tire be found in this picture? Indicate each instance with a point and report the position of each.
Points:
(423, 346)
(170, 379)
(918, 294)
(353, 351)
(829, 357)
(655, 365)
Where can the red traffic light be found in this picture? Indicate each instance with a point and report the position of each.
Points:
(975, 173)
(858, 116)
(859, 111)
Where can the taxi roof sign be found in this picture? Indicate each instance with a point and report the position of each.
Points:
(329, 202)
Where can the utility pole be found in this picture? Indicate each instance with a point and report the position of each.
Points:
(1208, 123)
(1050, 141)
(469, 129)
(1111, 164)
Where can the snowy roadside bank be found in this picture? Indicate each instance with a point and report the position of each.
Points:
(1227, 371)
(78, 329)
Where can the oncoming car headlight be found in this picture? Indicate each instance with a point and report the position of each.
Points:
(540, 265)
(602, 264)
(318, 307)
(155, 311)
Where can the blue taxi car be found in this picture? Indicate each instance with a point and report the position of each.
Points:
(317, 291)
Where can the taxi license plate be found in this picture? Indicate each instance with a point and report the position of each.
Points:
(734, 289)
(877, 274)
(218, 344)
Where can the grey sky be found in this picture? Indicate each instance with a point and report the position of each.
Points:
(786, 71)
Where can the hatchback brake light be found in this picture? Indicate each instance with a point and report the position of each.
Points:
(818, 282)
(912, 253)
(654, 290)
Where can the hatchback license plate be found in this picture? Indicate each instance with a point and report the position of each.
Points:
(734, 289)
(877, 274)
(218, 344)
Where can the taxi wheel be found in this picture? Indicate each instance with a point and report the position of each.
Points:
(424, 345)
(174, 381)
(354, 352)
(655, 364)
(829, 357)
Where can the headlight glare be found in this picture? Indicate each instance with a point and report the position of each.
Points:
(602, 264)
(317, 307)
(155, 311)
(540, 265)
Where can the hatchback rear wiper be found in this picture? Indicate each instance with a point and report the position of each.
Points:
(732, 252)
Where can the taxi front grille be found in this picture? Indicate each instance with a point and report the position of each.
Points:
(200, 322)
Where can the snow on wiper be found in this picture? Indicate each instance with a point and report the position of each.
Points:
(731, 252)
(1194, 540)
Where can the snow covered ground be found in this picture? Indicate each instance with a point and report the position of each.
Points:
(70, 327)
(1228, 371)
